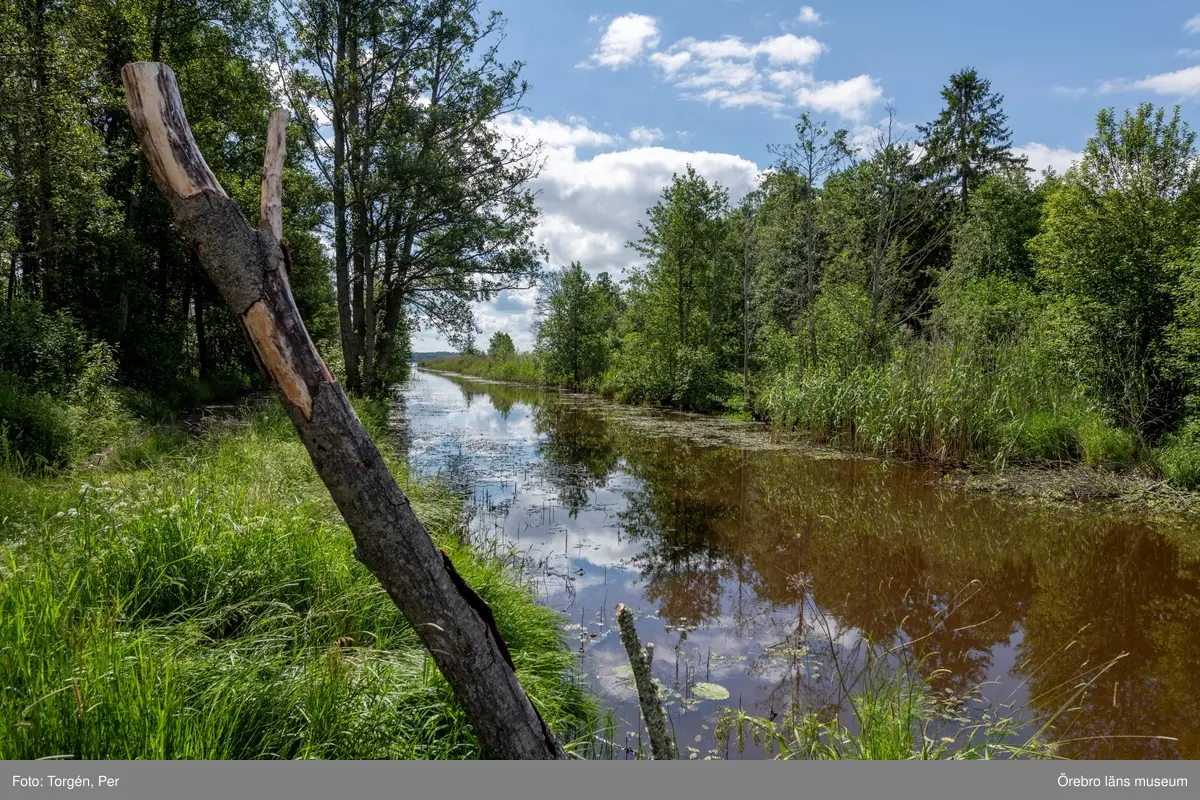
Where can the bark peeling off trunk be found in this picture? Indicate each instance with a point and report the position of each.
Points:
(250, 268)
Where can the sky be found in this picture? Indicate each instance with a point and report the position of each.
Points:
(624, 95)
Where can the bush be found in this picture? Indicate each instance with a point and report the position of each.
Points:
(34, 430)
(1046, 436)
(1103, 445)
(641, 373)
(1179, 456)
(47, 351)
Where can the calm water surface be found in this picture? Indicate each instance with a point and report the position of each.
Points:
(770, 569)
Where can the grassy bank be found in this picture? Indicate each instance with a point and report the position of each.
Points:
(933, 403)
(196, 597)
(522, 368)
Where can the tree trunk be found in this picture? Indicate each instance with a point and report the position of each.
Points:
(359, 247)
(249, 267)
(340, 257)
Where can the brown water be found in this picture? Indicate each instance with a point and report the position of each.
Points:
(772, 569)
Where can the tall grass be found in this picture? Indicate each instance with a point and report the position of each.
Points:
(197, 598)
(936, 401)
(521, 368)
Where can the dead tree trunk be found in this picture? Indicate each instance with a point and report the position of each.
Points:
(250, 269)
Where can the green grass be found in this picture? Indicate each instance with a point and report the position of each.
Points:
(933, 401)
(197, 598)
(523, 368)
(1179, 456)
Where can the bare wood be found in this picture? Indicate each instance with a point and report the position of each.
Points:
(271, 204)
(641, 659)
(248, 267)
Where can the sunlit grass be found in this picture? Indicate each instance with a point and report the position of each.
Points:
(198, 599)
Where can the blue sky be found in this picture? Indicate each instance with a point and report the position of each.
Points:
(623, 95)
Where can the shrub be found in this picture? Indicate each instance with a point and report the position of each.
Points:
(1179, 456)
(1103, 445)
(1046, 436)
(46, 350)
(34, 430)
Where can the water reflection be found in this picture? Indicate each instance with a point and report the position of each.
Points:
(756, 565)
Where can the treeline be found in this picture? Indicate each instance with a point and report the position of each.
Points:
(927, 298)
(402, 205)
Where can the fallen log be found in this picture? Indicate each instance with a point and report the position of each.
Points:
(250, 268)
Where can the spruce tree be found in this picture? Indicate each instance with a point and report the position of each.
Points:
(970, 139)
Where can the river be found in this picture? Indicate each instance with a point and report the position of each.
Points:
(779, 572)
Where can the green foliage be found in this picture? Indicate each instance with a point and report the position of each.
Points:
(1103, 445)
(985, 314)
(969, 139)
(204, 603)
(521, 368)
(34, 429)
(577, 320)
(898, 717)
(501, 347)
(1113, 232)
(1179, 456)
(684, 377)
(46, 349)
(928, 401)
(1003, 214)
(1046, 436)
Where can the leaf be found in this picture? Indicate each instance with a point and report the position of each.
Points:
(710, 691)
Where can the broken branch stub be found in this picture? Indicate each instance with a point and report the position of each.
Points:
(248, 267)
(641, 660)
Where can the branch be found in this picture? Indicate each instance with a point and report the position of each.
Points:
(249, 268)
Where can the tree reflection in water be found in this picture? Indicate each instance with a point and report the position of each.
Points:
(804, 560)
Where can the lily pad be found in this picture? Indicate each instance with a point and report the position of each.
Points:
(710, 691)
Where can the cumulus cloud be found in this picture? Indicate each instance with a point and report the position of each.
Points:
(1041, 156)
(1180, 83)
(592, 194)
(625, 41)
(851, 98)
(1193, 24)
(808, 16)
(771, 73)
(642, 135)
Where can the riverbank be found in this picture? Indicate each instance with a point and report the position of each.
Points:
(1138, 487)
(193, 595)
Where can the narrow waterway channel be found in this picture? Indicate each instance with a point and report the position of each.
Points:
(768, 569)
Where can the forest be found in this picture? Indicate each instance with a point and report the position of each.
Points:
(179, 577)
(921, 297)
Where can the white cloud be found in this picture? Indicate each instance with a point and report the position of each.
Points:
(1041, 156)
(642, 135)
(851, 98)
(1187, 52)
(625, 40)
(791, 49)
(591, 204)
(808, 16)
(670, 63)
(1192, 25)
(722, 72)
(1074, 92)
(784, 49)
(734, 73)
(790, 80)
(1184, 82)
(552, 133)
